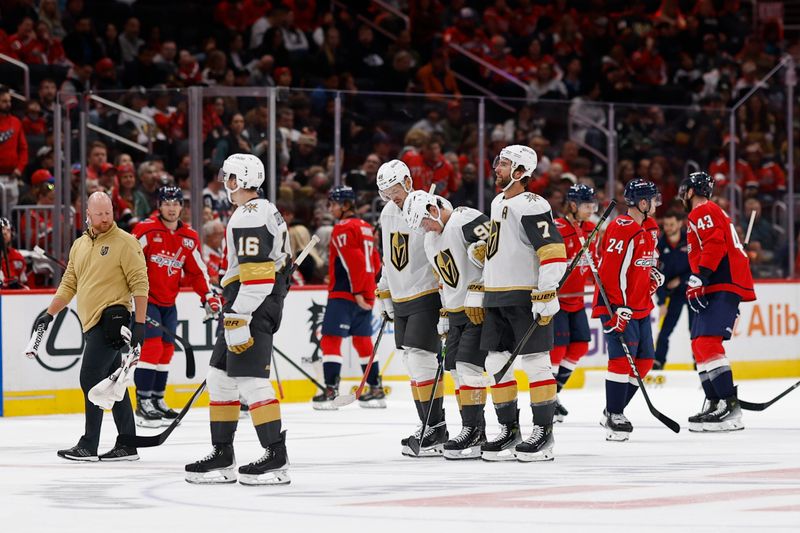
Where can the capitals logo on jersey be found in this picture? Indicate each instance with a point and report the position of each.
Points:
(174, 264)
(400, 250)
(447, 268)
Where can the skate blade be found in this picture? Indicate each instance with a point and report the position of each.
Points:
(436, 450)
(142, 423)
(723, 427)
(324, 406)
(473, 452)
(90, 459)
(276, 477)
(168, 422)
(407, 451)
(558, 418)
(373, 404)
(540, 456)
(126, 458)
(224, 475)
(502, 455)
(617, 436)
(696, 427)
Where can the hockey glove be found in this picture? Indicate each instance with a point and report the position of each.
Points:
(618, 322)
(137, 335)
(476, 252)
(656, 280)
(384, 305)
(444, 323)
(544, 305)
(237, 332)
(473, 304)
(39, 327)
(213, 305)
(696, 292)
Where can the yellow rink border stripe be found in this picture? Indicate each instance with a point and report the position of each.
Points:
(46, 402)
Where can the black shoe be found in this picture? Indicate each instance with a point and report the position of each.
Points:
(432, 444)
(658, 365)
(78, 453)
(726, 417)
(270, 469)
(120, 453)
(618, 427)
(467, 444)
(161, 406)
(147, 416)
(324, 400)
(501, 447)
(696, 421)
(561, 411)
(217, 467)
(537, 447)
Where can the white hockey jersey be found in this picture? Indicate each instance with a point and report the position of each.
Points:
(258, 246)
(447, 252)
(524, 251)
(406, 273)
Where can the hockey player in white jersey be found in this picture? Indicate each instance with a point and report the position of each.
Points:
(408, 294)
(525, 259)
(449, 236)
(254, 287)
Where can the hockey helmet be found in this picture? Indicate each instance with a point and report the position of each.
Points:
(520, 156)
(581, 193)
(247, 169)
(341, 194)
(641, 189)
(415, 209)
(700, 182)
(170, 194)
(392, 173)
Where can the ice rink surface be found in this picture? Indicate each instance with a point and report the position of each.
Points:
(347, 474)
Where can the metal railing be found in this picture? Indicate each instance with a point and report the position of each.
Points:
(493, 69)
(26, 76)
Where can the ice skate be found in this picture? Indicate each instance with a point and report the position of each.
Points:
(120, 453)
(404, 441)
(561, 411)
(373, 398)
(432, 444)
(537, 447)
(78, 453)
(217, 467)
(618, 427)
(501, 448)
(696, 421)
(270, 469)
(167, 414)
(467, 445)
(147, 415)
(324, 400)
(726, 417)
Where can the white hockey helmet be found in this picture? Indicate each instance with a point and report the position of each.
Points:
(247, 169)
(415, 209)
(520, 156)
(392, 173)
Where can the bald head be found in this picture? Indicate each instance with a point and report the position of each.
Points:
(100, 212)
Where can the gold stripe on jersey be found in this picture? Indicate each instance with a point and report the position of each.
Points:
(383, 294)
(420, 295)
(456, 310)
(264, 271)
(229, 281)
(549, 252)
(507, 289)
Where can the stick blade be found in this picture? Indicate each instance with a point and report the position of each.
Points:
(344, 400)
(414, 446)
(748, 406)
(667, 421)
(139, 441)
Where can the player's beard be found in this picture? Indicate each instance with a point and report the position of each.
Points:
(502, 182)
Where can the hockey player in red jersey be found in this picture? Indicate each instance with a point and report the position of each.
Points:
(571, 327)
(353, 266)
(171, 249)
(720, 279)
(628, 274)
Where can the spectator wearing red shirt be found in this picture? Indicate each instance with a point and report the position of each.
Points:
(648, 65)
(466, 33)
(499, 57)
(23, 43)
(719, 169)
(770, 177)
(528, 66)
(12, 264)
(48, 49)
(431, 168)
(13, 147)
(33, 123)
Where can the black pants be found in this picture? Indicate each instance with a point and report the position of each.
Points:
(677, 301)
(99, 361)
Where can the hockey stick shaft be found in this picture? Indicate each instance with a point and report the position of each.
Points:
(187, 348)
(750, 406)
(277, 376)
(664, 419)
(750, 227)
(298, 368)
(416, 444)
(347, 399)
(499, 375)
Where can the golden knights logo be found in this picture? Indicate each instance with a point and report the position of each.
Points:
(448, 270)
(104, 250)
(400, 250)
(494, 238)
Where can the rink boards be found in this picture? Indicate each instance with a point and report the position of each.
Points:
(764, 345)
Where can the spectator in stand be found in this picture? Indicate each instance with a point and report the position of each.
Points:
(455, 130)
(106, 76)
(528, 65)
(763, 233)
(149, 183)
(129, 40)
(431, 167)
(233, 143)
(24, 43)
(648, 65)
(467, 34)
(130, 204)
(49, 14)
(500, 57)
(47, 99)
(398, 78)
(770, 177)
(362, 179)
(546, 85)
(188, 69)
(80, 44)
(78, 80)
(216, 199)
(98, 157)
(214, 250)
(109, 43)
(33, 123)
(12, 263)
(13, 148)
(49, 50)
(436, 77)
(330, 57)
(367, 57)
(720, 169)
(711, 57)
(304, 153)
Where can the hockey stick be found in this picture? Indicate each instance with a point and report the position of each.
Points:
(416, 444)
(187, 348)
(664, 419)
(347, 399)
(750, 406)
(749, 228)
(156, 440)
(277, 376)
(298, 368)
(499, 375)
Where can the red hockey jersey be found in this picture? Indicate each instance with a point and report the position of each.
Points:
(354, 262)
(714, 245)
(573, 234)
(13, 270)
(627, 255)
(168, 253)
